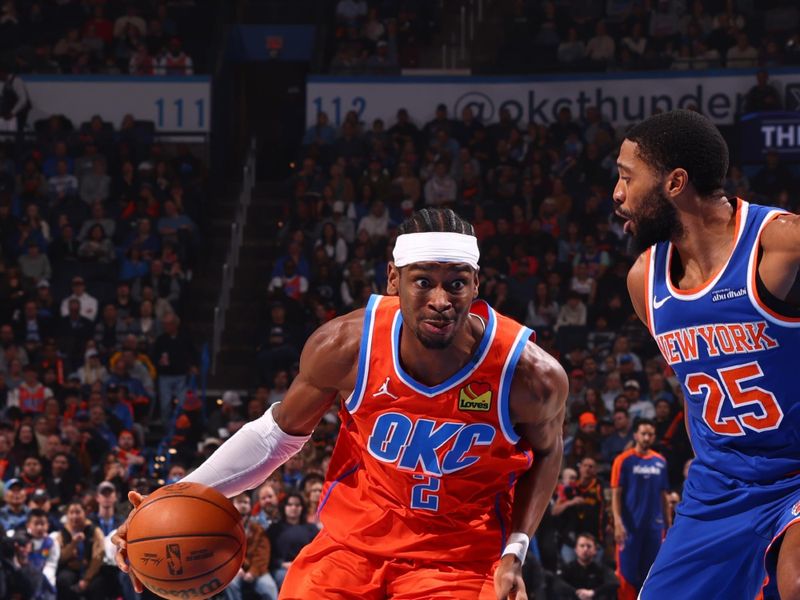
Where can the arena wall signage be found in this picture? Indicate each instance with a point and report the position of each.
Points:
(174, 104)
(770, 132)
(622, 97)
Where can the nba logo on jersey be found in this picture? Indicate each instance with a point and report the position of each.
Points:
(475, 396)
(796, 509)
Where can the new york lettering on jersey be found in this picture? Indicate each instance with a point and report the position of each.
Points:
(433, 451)
(732, 355)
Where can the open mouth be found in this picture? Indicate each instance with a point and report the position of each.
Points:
(626, 221)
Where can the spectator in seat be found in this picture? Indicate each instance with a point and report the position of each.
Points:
(43, 556)
(87, 303)
(96, 247)
(254, 573)
(98, 217)
(581, 508)
(376, 223)
(31, 395)
(320, 133)
(278, 346)
(441, 189)
(34, 264)
(62, 184)
(742, 55)
(584, 578)
(142, 62)
(175, 61)
(289, 535)
(80, 545)
(227, 419)
(639, 407)
(620, 439)
(14, 513)
(95, 185)
(267, 502)
(601, 48)
(175, 358)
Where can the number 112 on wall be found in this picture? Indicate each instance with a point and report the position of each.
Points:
(174, 111)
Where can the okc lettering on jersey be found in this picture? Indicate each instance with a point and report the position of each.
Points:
(683, 345)
(414, 445)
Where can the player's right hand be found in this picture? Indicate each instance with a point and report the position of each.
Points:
(119, 539)
(620, 533)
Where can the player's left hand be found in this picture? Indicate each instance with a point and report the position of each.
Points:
(508, 583)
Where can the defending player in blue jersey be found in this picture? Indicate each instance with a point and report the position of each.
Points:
(717, 285)
(639, 486)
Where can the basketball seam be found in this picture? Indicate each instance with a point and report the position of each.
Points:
(224, 509)
(198, 576)
(177, 535)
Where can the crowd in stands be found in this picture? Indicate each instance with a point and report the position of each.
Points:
(601, 35)
(137, 37)
(98, 241)
(382, 37)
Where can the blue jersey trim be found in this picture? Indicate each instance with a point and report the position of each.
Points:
(505, 385)
(354, 401)
(499, 513)
(453, 380)
(334, 484)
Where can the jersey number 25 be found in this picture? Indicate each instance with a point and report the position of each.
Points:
(730, 384)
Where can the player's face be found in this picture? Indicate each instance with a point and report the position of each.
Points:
(644, 437)
(641, 200)
(434, 299)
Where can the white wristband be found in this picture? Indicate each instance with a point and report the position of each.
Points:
(517, 545)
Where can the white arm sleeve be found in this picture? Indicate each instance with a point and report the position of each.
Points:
(248, 457)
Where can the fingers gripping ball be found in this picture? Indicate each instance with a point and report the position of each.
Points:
(186, 541)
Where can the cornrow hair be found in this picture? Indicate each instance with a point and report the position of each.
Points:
(441, 220)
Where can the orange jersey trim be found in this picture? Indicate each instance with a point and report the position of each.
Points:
(754, 272)
(737, 234)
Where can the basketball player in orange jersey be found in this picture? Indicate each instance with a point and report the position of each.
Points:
(717, 285)
(450, 444)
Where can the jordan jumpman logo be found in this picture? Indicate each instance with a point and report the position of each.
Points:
(384, 390)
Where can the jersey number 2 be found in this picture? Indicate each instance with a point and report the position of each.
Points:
(729, 384)
(423, 495)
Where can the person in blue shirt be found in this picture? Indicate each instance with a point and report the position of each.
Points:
(14, 513)
(639, 486)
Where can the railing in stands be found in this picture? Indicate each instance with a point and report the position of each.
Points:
(232, 258)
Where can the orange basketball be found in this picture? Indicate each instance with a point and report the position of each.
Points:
(186, 541)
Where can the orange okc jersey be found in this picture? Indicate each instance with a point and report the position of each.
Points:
(427, 473)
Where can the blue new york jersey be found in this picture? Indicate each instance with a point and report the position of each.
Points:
(734, 357)
(643, 479)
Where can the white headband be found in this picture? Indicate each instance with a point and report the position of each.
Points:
(436, 246)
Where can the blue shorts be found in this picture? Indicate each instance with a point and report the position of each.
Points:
(724, 544)
(637, 554)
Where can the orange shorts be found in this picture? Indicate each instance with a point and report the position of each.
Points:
(326, 569)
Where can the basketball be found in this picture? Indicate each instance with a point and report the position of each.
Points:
(186, 540)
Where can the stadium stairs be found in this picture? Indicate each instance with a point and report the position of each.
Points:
(236, 360)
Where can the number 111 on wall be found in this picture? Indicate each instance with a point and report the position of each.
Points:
(193, 116)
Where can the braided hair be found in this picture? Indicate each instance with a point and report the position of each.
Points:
(440, 220)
